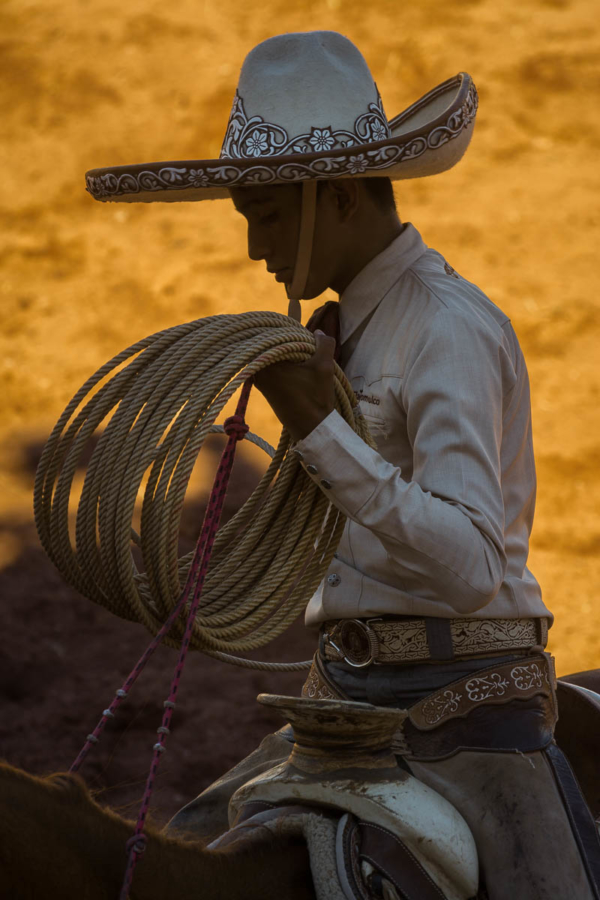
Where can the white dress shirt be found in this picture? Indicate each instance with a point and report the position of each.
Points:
(439, 516)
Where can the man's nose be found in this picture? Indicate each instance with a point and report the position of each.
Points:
(257, 244)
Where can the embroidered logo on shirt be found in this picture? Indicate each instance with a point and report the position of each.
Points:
(450, 271)
(368, 399)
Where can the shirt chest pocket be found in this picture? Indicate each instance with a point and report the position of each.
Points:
(378, 403)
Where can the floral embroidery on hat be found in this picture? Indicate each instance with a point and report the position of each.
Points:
(378, 131)
(250, 137)
(256, 144)
(321, 139)
(357, 164)
(198, 178)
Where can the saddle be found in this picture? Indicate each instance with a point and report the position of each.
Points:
(373, 830)
(362, 817)
(577, 731)
(351, 859)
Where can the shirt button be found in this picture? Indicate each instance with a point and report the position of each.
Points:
(333, 580)
(312, 469)
(326, 484)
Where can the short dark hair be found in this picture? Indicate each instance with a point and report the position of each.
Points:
(380, 190)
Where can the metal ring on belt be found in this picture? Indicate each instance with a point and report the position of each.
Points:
(353, 650)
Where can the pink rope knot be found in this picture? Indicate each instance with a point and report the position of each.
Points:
(137, 842)
(236, 427)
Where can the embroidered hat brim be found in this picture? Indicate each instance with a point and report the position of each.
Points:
(429, 137)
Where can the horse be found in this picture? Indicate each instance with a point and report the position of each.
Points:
(56, 842)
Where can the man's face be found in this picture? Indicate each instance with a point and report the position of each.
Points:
(273, 217)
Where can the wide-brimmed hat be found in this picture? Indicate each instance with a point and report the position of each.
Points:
(307, 107)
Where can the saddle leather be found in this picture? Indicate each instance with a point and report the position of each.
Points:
(524, 725)
(577, 733)
(357, 841)
(389, 856)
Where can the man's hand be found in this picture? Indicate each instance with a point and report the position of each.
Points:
(301, 395)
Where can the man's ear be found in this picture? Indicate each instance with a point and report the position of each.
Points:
(345, 195)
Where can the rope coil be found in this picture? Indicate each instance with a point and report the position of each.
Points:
(158, 400)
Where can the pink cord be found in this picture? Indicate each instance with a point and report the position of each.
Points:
(236, 429)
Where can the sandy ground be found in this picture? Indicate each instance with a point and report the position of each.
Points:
(89, 83)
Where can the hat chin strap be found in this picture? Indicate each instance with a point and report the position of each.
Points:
(297, 287)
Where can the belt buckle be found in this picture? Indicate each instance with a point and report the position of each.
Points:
(358, 643)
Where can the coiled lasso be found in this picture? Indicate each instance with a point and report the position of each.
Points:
(160, 403)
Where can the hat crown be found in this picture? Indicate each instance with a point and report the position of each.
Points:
(304, 93)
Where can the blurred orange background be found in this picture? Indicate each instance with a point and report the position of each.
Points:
(89, 83)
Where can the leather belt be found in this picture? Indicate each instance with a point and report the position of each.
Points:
(381, 641)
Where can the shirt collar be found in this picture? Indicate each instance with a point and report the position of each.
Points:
(369, 287)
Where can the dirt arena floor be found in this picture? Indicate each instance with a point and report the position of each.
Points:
(88, 83)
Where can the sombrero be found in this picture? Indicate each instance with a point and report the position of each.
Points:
(307, 107)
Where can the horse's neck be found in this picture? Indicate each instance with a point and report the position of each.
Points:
(174, 868)
(59, 844)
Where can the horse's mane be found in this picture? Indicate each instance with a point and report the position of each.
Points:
(73, 791)
(55, 826)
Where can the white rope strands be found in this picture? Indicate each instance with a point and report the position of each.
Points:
(156, 402)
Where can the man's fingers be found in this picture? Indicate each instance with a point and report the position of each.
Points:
(277, 373)
(271, 374)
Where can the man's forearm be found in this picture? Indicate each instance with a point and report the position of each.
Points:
(449, 550)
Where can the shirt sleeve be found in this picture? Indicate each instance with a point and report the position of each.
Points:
(446, 525)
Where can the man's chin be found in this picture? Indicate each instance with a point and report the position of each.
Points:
(313, 294)
(309, 293)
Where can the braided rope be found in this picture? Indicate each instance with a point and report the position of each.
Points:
(158, 400)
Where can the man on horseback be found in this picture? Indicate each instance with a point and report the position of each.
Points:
(428, 604)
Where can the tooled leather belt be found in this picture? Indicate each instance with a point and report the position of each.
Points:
(381, 641)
